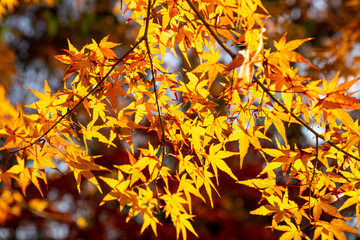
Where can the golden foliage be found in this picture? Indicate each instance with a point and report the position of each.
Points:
(198, 133)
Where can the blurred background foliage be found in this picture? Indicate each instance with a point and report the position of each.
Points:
(333, 24)
(33, 32)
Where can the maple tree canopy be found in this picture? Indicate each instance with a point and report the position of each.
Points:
(231, 103)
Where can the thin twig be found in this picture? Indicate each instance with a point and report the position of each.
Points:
(313, 175)
(154, 83)
(156, 98)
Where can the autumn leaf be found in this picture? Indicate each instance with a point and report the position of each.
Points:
(291, 232)
(282, 208)
(334, 228)
(354, 198)
(212, 67)
(286, 50)
(103, 49)
(236, 62)
(216, 157)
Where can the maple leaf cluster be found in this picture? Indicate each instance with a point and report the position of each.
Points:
(197, 135)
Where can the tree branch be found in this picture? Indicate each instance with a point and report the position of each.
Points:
(156, 99)
(154, 83)
(313, 175)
